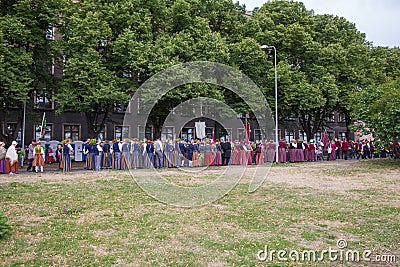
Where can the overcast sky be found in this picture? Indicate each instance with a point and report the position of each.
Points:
(378, 19)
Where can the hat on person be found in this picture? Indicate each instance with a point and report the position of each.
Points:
(14, 143)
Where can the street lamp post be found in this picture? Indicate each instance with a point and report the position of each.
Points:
(264, 47)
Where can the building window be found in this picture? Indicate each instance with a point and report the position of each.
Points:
(43, 100)
(225, 134)
(121, 108)
(48, 135)
(121, 132)
(289, 135)
(50, 32)
(302, 135)
(187, 134)
(330, 117)
(102, 134)
(145, 132)
(331, 135)
(342, 135)
(167, 133)
(257, 135)
(149, 133)
(209, 132)
(318, 136)
(72, 132)
(240, 133)
(10, 130)
(342, 117)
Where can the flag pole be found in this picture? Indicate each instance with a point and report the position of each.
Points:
(41, 127)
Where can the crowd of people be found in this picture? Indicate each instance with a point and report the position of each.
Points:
(137, 154)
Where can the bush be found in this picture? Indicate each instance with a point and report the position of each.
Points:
(4, 227)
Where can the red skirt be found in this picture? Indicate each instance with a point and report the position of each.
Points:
(312, 155)
(299, 155)
(292, 155)
(235, 157)
(282, 155)
(243, 157)
(270, 155)
(9, 168)
(208, 159)
(38, 160)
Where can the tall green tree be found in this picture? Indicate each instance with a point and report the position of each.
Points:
(91, 83)
(15, 78)
(26, 55)
(377, 107)
(320, 61)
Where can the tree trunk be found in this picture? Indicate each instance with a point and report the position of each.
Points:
(95, 123)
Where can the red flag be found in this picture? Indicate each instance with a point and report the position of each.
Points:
(325, 139)
(247, 131)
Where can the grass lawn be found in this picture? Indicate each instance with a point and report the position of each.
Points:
(104, 218)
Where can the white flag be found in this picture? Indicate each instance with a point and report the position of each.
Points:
(200, 129)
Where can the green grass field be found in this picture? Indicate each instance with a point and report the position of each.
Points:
(105, 219)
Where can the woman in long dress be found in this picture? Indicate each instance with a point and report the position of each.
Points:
(271, 152)
(208, 155)
(217, 153)
(259, 153)
(282, 151)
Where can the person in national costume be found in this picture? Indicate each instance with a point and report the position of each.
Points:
(345, 149)
(282, 151)
(159, 153)
(98, 150)
(218, 154)
(311, 151)
(135, 154)
(50, 158)
(189, 151)
(3, 152)
(88, 158)
(182, 152)
(116, 155)
(208, 154)
(126, 155)
(66, 156)
(259, 153)
(299, 157)
(332, 150)
(226, 148)
(169, 153)
(196, 153)
(38, 160)
(31, 154)
(270, 152)
(150, 153)
(338, 144)
(107, 157)
(292, 150)
(12, 159)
